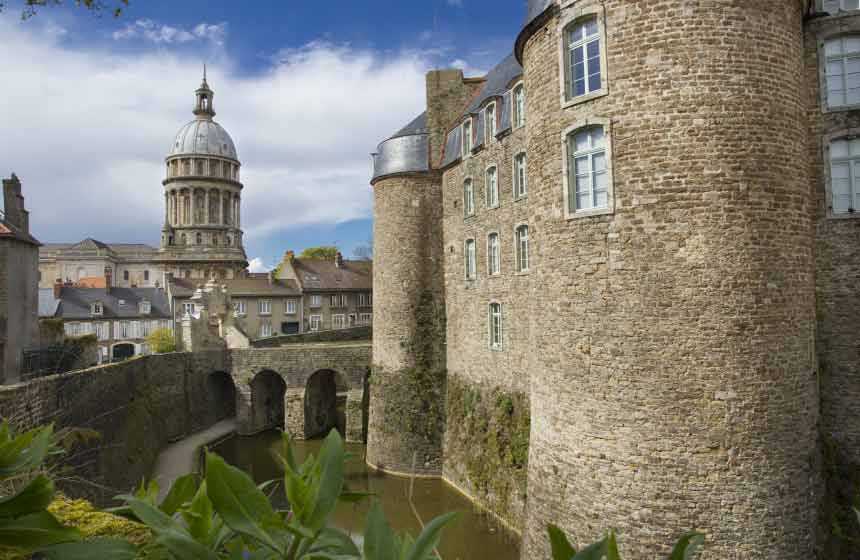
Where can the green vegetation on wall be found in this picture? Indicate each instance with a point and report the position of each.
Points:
(411, 402)
(487, 441)
(842, 488)
(161, 341)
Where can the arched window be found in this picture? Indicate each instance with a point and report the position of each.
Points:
(522, 240)
(125, 275)
(468, 197)
(170, 240)
(588, 181)
(845, 175)
(199, 238)
(520, 178)
(229, 241)
(495, 322)
(492, 187)
(469, 258)
(519, 98)
(494, 255)
(582, 69)
(842, 71)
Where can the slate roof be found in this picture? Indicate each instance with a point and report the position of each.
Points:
(54, 250)
(120, 303)
(240, 287)
(325, 275)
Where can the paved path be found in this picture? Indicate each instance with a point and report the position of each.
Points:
(180, 458)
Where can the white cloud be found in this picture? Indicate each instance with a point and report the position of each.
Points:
(87, 131)
(160, 33)
(468, 69)
(257, 265)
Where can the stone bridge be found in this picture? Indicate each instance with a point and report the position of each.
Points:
(306, 389)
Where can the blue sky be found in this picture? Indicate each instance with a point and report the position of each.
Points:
(306, 89)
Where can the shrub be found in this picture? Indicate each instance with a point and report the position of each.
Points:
(161, 341)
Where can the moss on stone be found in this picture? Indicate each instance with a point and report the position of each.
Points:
(412, 399)
(487, 440)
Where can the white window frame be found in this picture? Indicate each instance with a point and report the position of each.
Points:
(522, 249)
(188, 308)
(365, 299)
(825, 61)
(338, 321)
(495, 342)
(145, 307)
(518, 105)
(315, 301)
(468, 197)
(494, 254)
(495, 186)
(573, 19)
(365, 318)
(97, 308)
(521, 184)
(610, 188)
(466, 133)
(490, 122)
(264, 306)
(854, 173)
(470, 259)
(240, 307)
(290, 306)
(314, 322)
(265, 330)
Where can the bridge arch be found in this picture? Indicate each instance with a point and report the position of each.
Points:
(268, 390)
(221, 395)
(325, 397)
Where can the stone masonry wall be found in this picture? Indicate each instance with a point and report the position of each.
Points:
(673, 382)
(337, 335)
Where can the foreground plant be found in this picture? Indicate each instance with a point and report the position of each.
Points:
(607, 548)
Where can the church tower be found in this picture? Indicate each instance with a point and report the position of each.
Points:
(202, 235)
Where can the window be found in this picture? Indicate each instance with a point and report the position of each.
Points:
(200, 239)
(520, 179)
(588, 181)
(467, 137)
(842, 71)
(522, 239)
(494, 256)
(265, 307)
(833, 6)
(199, 167)
(365, 300)
(103, 354)
(146, 275)
(338, 300)
(519, 96)
(338, 321)
(188, 308)
(125, 328)
(468, 198)
(492, 187)
(315, 321)
(290, 307)
(490, 122)
(146, 328)
(583, 57)
(240, 308)
(845, 175)
(145, 307)
(101, 330)
(470, 258)
(96, 308)
(125, 275)
(316, 301)
(265, 330)
(495, 319)
(365, 318)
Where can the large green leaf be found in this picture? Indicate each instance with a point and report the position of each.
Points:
(199, 516)
(32, 498)
(35, 530)
(335, 542)
(429, 537)
(183, 547)
(686, 546)
(96, 549)
(151, 516)
(561, 547)
(181, 492)
(329, 484)
(379, 541)
(237, 500)
(605, 549)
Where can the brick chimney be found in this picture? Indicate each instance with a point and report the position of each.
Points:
(108, 279)
(58, 288)
(271, 276)
(338, 259)
(13, 204)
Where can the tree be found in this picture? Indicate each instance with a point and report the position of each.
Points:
(161, 341)
(323, 253)
(30, 8)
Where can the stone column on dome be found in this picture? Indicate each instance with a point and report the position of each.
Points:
(166, 208)
(221, 207)
(206, 204)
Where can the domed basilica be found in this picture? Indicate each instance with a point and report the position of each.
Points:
(201, 237)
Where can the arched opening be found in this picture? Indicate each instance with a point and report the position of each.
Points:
(221, 393)
(267, 400)
(325, 404)
(122, 351)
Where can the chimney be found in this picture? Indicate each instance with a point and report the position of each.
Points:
(271, 276)
(13, 204)
(58, 288)
(338, 259)
(289, 255)
(108, 279)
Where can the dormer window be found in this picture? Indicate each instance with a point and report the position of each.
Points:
(490, 122)
(467, 137)
(145, 307)
(96, 308)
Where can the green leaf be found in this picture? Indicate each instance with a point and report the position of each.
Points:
(686, 546)
(289, 456)
(34, 531)
(237, 499)
(596, 551)
(335, 542)
(350, 497)
(96, 549)
(199, 515)
(181, 545)
(379, 541)
(429, 537)
(181, 492)
(151, 516)
(612, 547)
(561, 547)
(329, 485)
(32, 498)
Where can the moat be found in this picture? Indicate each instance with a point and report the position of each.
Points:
(474, 535)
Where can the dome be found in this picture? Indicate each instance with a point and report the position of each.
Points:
(203, 137)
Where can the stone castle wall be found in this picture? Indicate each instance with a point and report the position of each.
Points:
(336, 335)
(673, 384)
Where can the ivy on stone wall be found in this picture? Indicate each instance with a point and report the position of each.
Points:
(487, 439)
(412, 401)
(842, 496)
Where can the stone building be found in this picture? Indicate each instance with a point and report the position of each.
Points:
(640, 232)
(19, 294)
(201, 236)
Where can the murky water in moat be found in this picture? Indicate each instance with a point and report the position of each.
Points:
(474, 535)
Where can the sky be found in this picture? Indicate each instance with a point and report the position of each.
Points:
(89, 106)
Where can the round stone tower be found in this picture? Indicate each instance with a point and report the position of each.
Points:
(202, 235)
(673, 384)
(407, 383)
